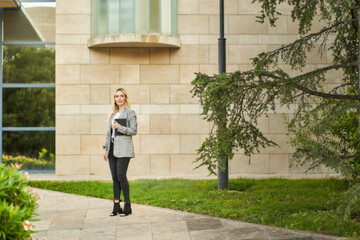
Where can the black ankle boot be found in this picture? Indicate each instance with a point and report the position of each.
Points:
(117, 209)
(127, 209)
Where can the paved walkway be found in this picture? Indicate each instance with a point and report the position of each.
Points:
(69, 216)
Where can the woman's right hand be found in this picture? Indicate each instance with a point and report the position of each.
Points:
(104, 155)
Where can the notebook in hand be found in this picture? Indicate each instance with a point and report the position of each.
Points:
(122, 122)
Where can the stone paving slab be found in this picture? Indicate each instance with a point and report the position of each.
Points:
(69, 216)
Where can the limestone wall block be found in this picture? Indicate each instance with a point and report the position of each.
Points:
(182, 94)
(160, 144)
(99, 55)
(246, 7)
(159, 124)
(188, 7)
(92, 144)
(209, 69)
(67, 74)
(72, 124)
(136, 141)
(333, 76)
(72, 54)
(279, 163)
(281, 26)
(258, 164)
(159, 74)
(160, 165)
(143, 122)
(190, 54)
(212, 6)
(214, 23)
(72, 94)
(277, 39)
(99, 167)
(189, 39)
(95, 109)
(188, 124)
(129, 55)
(99, 124)
(248, 39)
(159, 94)
(72, 165)
(77, 7)
(159, 109)
(277, 123)
(282, 140)
(100, 94)
(314, 57)
(246, 24)
(159, 56)
(139, 166)
(193, 24)
(67, 109)
(72, 39)
(130, 74)
(67, 144)
(187, 73)
(190, 109)
(242, 54)
(73, 24)
(184, 164)
(189, 144)
(100, 74)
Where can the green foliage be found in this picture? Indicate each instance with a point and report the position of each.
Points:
(17, 205)
(306, 204)
(29, 163)
(325, 128)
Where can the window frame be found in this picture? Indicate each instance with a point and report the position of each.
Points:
(19, 85)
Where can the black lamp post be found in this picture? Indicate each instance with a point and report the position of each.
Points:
(223, 175)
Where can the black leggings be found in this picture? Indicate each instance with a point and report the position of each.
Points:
(118, 168)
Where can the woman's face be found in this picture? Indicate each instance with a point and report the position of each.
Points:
(119, 98)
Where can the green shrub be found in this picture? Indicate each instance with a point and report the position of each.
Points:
(28, 163)
(17, 204)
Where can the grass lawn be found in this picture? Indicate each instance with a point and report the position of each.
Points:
(299, 204)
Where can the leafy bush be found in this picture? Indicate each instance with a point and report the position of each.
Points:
(29, 163)
(17, 204)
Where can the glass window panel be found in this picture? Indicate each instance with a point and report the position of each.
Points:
(127, 15)
(113, 16)
(166, 17)
(174, 22)
(28, 64)
(141, 16)
(94, 17)
(28, 107)
(102, 17)
(154, 16)
(35, 150)
(32, 22)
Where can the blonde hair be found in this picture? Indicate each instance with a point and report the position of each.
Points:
(114, 106)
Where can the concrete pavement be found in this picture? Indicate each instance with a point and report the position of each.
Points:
(69, 216)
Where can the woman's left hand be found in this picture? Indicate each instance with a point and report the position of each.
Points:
(115, 125)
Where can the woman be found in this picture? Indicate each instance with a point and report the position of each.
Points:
(118, 148)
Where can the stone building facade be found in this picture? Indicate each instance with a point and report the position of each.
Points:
(158, 81)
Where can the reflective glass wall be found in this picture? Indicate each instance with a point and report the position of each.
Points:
(134, 16)
(28, 85)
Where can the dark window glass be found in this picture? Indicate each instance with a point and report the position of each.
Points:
(28, 64)
(32, 22)
(35, 150)
(28, 107)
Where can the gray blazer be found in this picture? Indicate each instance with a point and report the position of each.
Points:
(123, 144)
